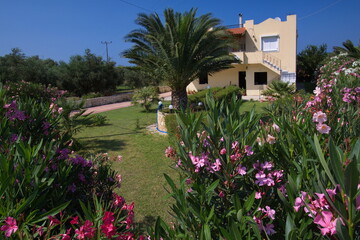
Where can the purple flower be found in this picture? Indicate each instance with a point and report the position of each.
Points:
(248, 150)
(269, 229)
(241, 170)
(72, 188)
(13, 138)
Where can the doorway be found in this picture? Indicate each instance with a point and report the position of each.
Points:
(242, 80)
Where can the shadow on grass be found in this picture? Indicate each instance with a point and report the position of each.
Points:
(110, 135)
(103, 145)
(148, 221)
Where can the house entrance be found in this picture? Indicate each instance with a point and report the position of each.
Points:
(242, 80)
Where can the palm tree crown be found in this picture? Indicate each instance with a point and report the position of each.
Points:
(179, 50)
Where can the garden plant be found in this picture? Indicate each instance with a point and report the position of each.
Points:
(293, 174)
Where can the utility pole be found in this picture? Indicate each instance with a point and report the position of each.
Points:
(107, 53)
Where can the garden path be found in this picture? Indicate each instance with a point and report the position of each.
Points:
(109, 107)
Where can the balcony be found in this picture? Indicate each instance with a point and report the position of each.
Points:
(260, 57)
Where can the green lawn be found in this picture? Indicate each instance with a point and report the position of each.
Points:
(143, 162)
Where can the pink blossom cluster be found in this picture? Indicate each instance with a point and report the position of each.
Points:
(202, 162)
(351, 95)
(9, 227)
(13, 113)
(55, 108)
(87, 230)
(265, 176)
(267, 213)
(320, 118)
(319, 209)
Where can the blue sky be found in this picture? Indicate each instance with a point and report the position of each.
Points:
(60, 29)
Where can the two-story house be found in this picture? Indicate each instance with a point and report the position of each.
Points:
(267, 52)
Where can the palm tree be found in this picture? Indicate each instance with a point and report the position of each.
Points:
(279, 89)
(349, 48)
(180, 49)
(308, 62)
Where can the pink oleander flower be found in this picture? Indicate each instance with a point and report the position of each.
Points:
(119, 158)
(223, 151)
(270, 139)
(276, 127)
(323, 128)
(170, 152)
(75, 220)
(108, 227)
(60, 110)
(258, 195)
(217, 165)
(241, 170)
(221, 194)
(118, 201)
(248, 150)
(317, 91)
(85, 231)
(319, 117)
(234, 144)
(326, 222)
(10, 226)
(269, 212)
(53, 221)
(118, 178)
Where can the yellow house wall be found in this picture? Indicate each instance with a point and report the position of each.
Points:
(286, 30)
(231, 77)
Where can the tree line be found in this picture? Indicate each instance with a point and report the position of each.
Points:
(81, 75)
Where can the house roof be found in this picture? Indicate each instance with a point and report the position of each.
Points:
(237, 31)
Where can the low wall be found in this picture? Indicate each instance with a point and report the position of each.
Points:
(93, 102)
(163, 89)
(161, 121)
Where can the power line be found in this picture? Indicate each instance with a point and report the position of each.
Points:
(107, 53)
(320, 10)
(134, 5)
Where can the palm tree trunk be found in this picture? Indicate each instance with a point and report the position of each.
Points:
(179, 98)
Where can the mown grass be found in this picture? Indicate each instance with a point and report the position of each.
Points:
(143, 162)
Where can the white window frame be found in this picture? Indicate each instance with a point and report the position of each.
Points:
(269, 36)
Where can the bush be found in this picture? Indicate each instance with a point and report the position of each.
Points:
(145, 96)
(279, 89)
(293, 175)
(46, 190)
(218, 94)
(42, 93)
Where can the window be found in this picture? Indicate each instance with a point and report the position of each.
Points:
(203, 79)
(270, 44)
(260, 78)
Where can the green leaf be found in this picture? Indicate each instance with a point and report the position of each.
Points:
(336, 162)
(351, 179)
(211, 188)
(26, 203)
(207, 232)
(52, 212)
(249, 202)
(239, 215)
(322, 160)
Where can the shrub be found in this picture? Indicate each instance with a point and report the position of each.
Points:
(145, 96)
(279, 89)
(217, 92)
(293, 175)
(43, 184)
